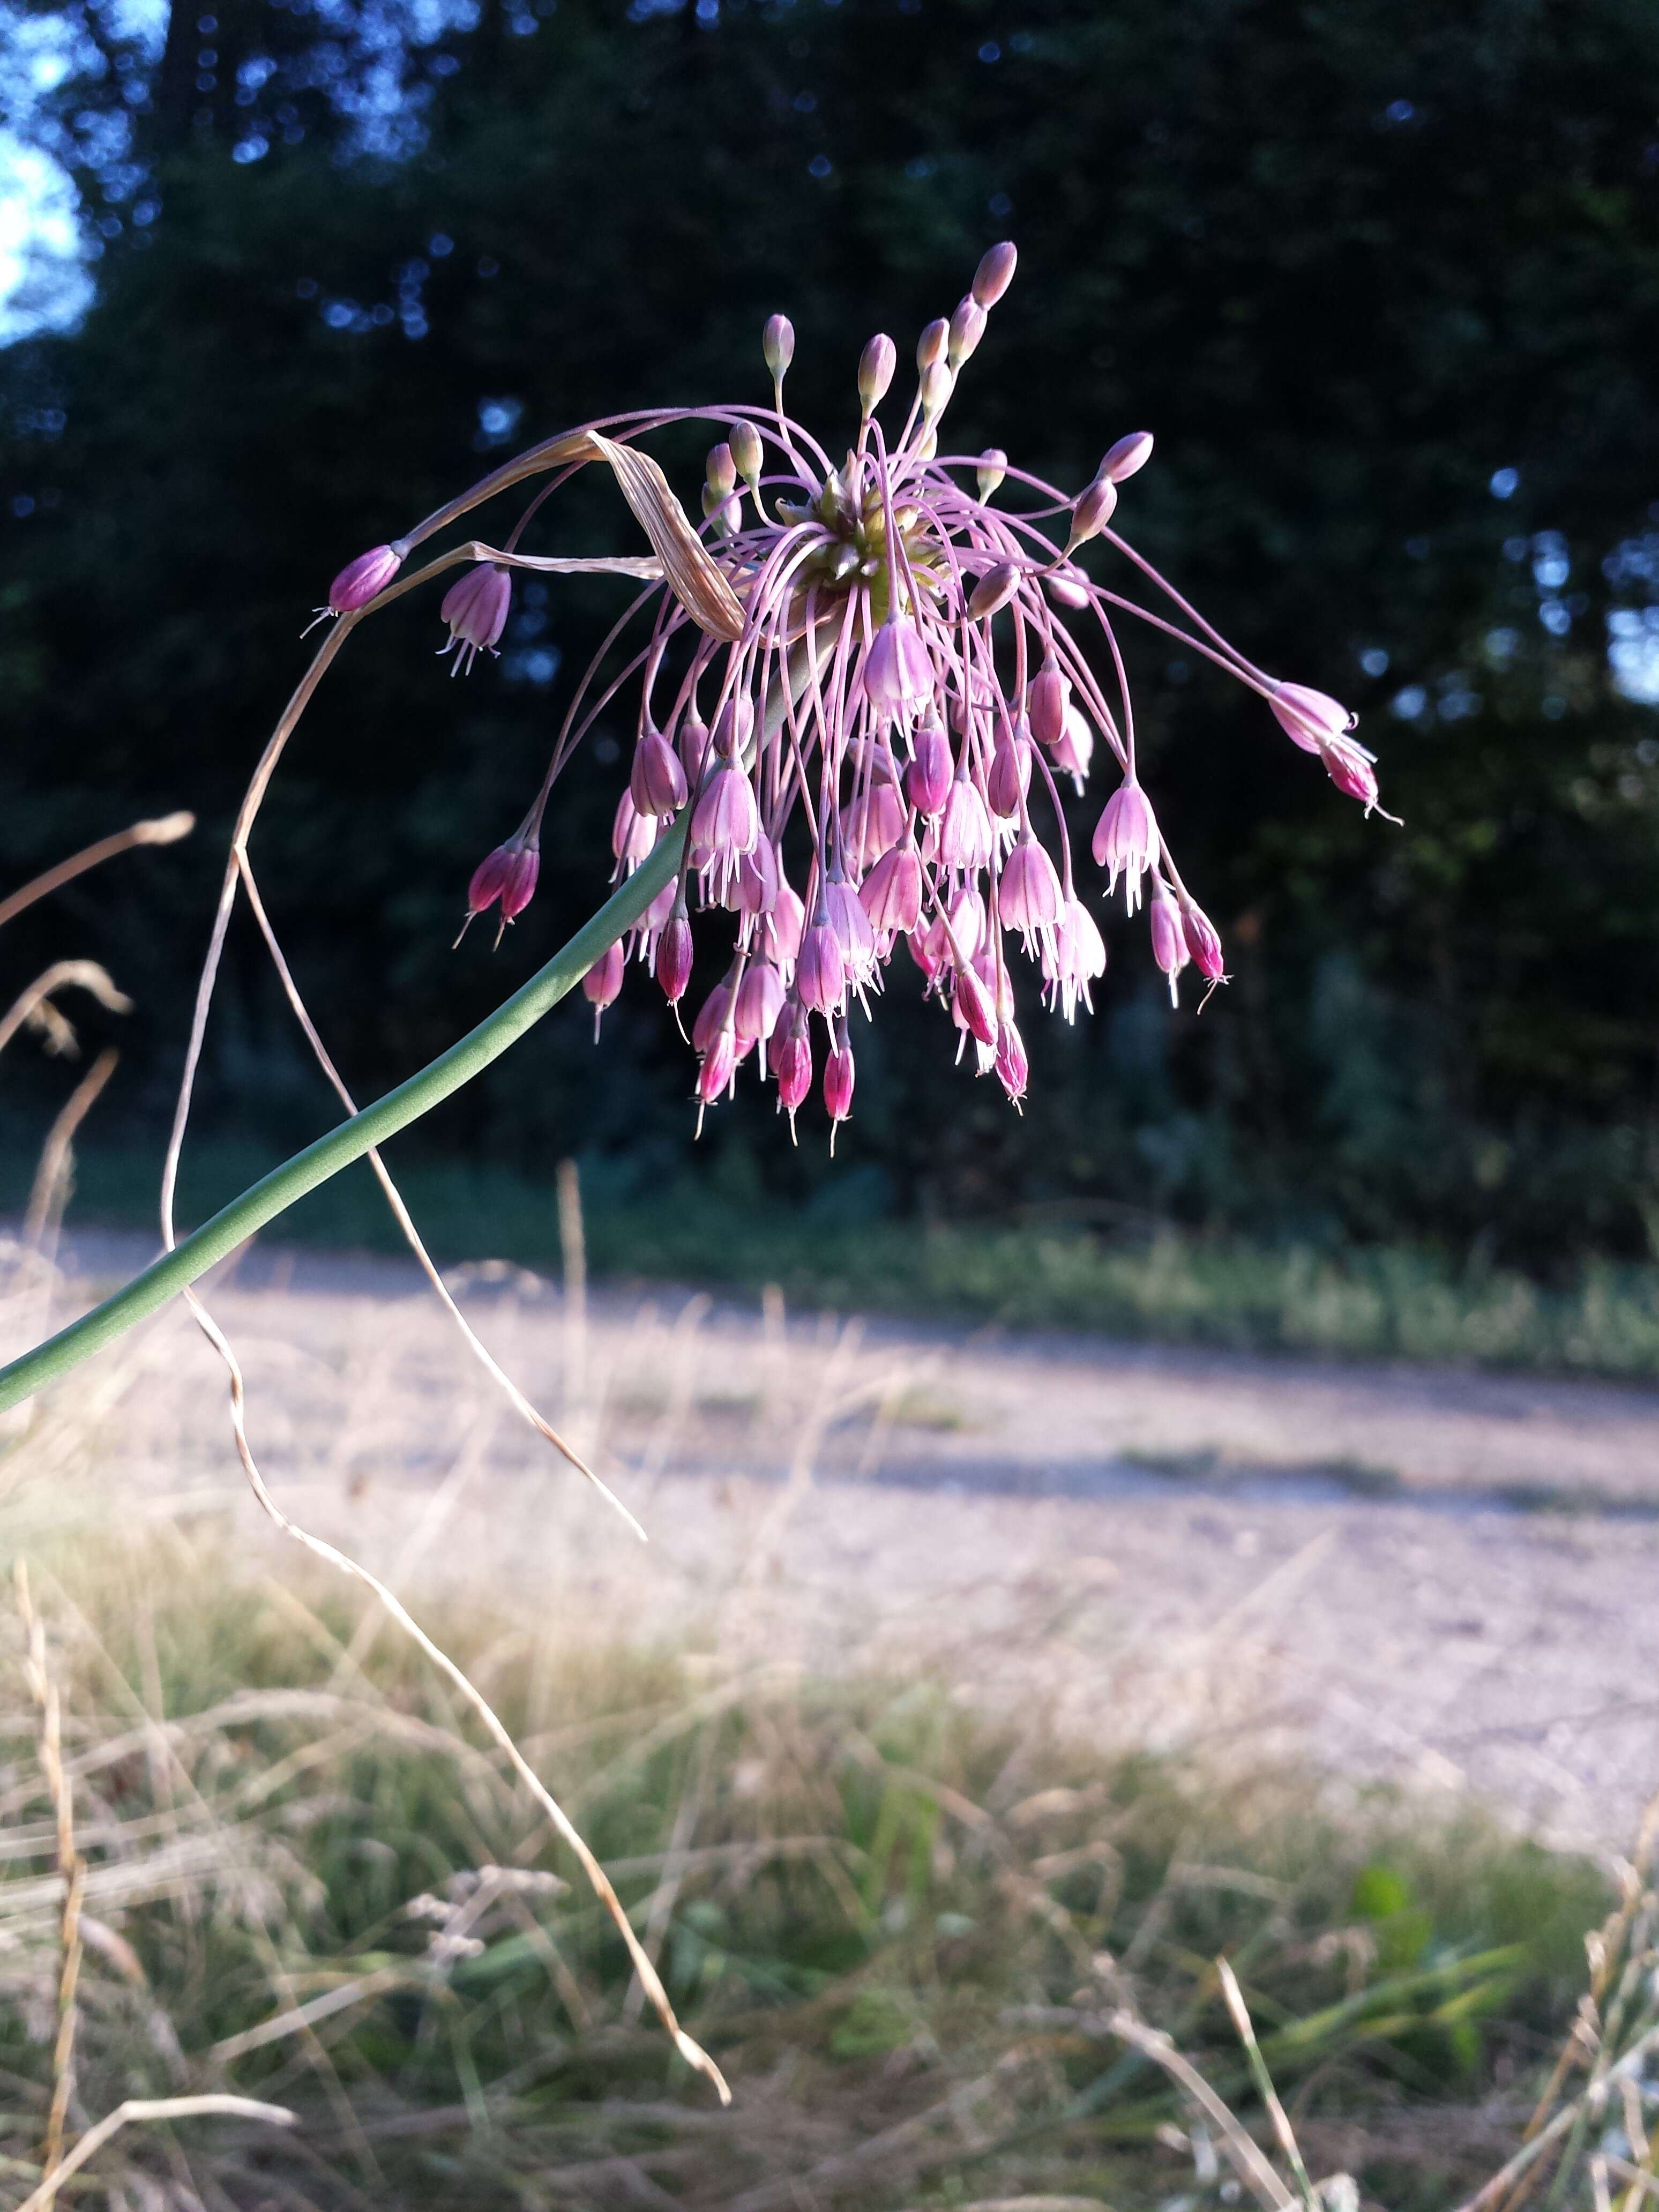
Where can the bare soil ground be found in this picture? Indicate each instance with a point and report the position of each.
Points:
(1445, 1581)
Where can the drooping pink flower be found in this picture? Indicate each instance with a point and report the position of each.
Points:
(927, 777)
(718, 1068)
(1047, 702)
(361, 580)
(1013, 1071)
(838, 1078)
(898, 672)
(632, 834)
(1010, 778)
(726, 821)
(1203, 942)
(1349, 767)
(1309, 719)
(781, 929)
(965, 839)
(476, 609)
(714, 1013)
(1073, 959)
(674, 955)
(1028, 895)
(871, 823)
(508, 874)
(759, 879)
(820, 969)
(602, 985)
(1075, 747)
(790, 1056)
(656, 782)
(976, 1008)
(891, 893)
(1125, 841)
(852, 926)
(759, 1001)
(1169, 938)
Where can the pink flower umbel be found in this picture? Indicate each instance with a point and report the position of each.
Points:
(853, 688)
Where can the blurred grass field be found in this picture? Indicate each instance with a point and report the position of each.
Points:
(1140, 1281)
(903, 1929)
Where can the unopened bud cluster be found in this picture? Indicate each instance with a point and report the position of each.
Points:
(871, 755)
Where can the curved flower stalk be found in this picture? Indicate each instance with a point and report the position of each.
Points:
(961, 661)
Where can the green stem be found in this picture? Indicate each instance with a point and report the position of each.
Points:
(277, 1191)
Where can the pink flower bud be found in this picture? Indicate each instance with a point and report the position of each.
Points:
(602, 985)
(1028, 895)
(1129, 455)
(778, 344)
(790, 1056)
(927, 778)
(508, 874)
(992, 468)
(838, 1074)
(897, 669)
(939, 381)
(995, 273)
(476, 610)
(1125, 841)
(674, 956)
(875, 366)
(1046, 703)
(1012, 1069)
(718, 1066)
(720, 471)
(1203, 942)
(692, 745)
(747, 452)
(656, 782)
(1066, 588)
(891, 893)
(726, 819)
(1168, 939)
(1310, 718)
(783, 927)
(359, 581)
(714, 1013)
(967, 329)
(1093, 512)
(820, 970)
(759, 879)
(970, 923)
(1075, 747)
(931, 344)
(1010, 778)
(632, 834)
(973, 1009)
(965, 839)
(759, 1001)
(994, 589)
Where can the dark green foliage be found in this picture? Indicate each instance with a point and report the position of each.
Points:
(1347, 263)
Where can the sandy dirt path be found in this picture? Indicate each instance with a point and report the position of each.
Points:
(1446, 1581)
